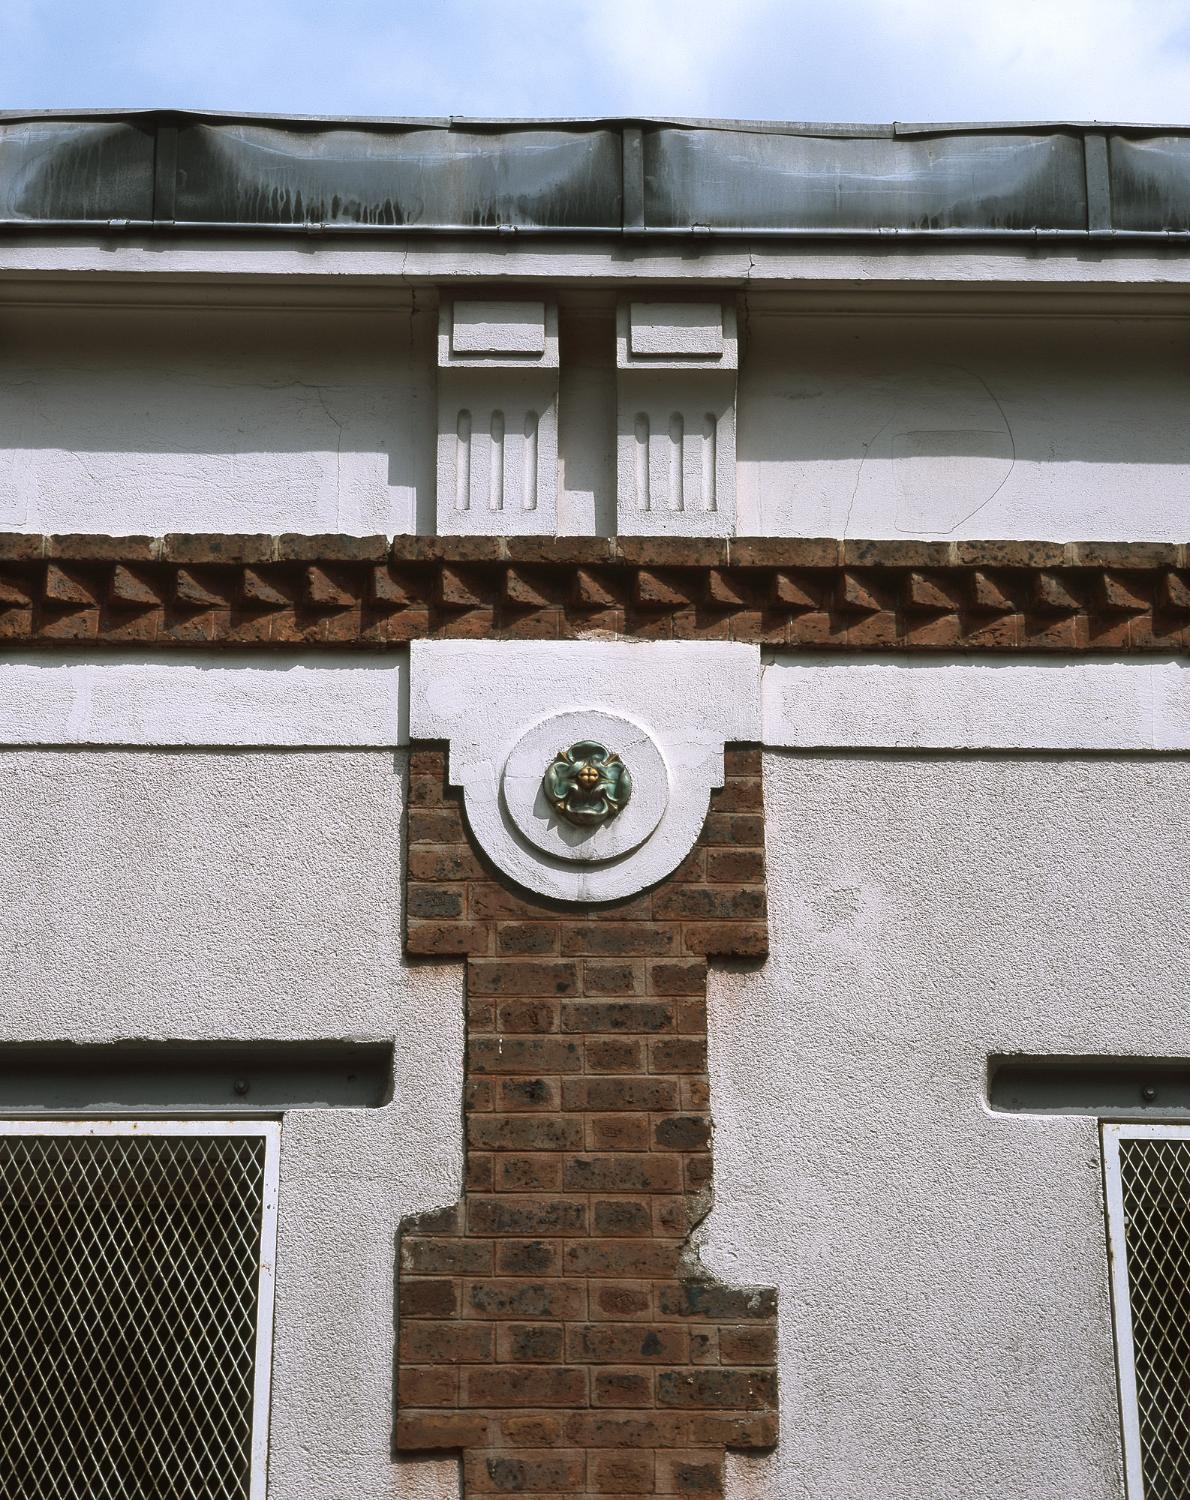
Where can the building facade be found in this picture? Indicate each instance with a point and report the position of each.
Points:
(593, 721)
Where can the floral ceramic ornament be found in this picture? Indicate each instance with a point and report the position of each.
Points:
(587, 784)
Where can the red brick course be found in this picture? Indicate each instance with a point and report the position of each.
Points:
(554, 1326)
(340, 591)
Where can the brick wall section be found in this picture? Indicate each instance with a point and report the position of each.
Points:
(339, 591)
(553, 1325)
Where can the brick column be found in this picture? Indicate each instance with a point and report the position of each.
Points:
(555, 1326)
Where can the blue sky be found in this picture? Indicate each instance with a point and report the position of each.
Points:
(831, 60)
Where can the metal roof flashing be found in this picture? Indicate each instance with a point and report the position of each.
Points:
(182, 171)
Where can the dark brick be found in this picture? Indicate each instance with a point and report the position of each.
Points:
(524, 1385)
(605, 1429)
(538, 1430)
(527, 938)
(621, 1473)
(527, 1174)
(721, 1304)
(683, 1133)
(431, 1342)
(441, 825)
(621, 1172)
(633, 1388)
(435, 901)
(434, 1385)
(446, 939)
(428, 1299)
(602, 978)
(712, 903)
(678, 1055)
(626, 1344)
(531, 1258)
(527, 1299)
(529, 1093)
(621, 1257)
(733, 1390)
(620, 939)
(588, 1151)
(525, 1471)
(422, 1431)
(525, 1054)
(443, 862)
(447, 1257)
(522, 977)
(756, 1429)
(618, 1132)
(622, 1300)
(727, 939)
(613, 1055)
(612, 1093)
(621, 1216)
(525, 1216)
(526, 1132)
(611, 1015)
(690, 1472)
(527, 1343)
(527, 1016)
(679, 976)
(749, 1345)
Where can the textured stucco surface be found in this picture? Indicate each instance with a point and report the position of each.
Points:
(224, 894)
(314, 415)
(150, 419)
(945, 1325)
(813, 701)
(287, 698)
(944, 427)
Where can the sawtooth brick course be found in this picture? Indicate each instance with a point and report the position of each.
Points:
(336, 591)
(555, 1327)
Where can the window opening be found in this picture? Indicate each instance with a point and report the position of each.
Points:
(1147, 1178)
(136, 1292)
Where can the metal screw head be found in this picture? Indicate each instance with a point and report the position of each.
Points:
(1148, 1093)
(240, 1086)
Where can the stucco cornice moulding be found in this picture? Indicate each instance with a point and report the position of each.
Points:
(797, 593)
(395, 294)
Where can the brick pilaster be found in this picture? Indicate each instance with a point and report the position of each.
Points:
(555, 1325)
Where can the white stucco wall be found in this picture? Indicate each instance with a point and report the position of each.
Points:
(250, 894)
(945, 1324)
(140, 418)
(312, 409)
(285, 699)
(950, 427)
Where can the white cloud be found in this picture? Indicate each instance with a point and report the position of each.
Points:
(787, 59)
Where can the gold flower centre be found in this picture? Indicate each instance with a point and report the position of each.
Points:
(588, 777)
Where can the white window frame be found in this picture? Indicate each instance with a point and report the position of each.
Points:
(270, 1132)
(1117, 1241)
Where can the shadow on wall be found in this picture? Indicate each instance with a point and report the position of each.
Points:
(218, 420)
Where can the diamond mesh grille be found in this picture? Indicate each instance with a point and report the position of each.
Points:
(1155, 1181)
(129, 1273)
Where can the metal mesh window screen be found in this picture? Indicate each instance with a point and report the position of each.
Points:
(132, 1311)
(1148, 1182)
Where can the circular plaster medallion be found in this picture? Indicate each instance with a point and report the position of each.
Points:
(544, 826)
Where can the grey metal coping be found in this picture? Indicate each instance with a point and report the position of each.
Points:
(176, 170)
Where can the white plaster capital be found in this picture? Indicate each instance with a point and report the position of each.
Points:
(507, 707)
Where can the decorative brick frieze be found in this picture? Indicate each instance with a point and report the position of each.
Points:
(794, 593)
(556, 1326)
